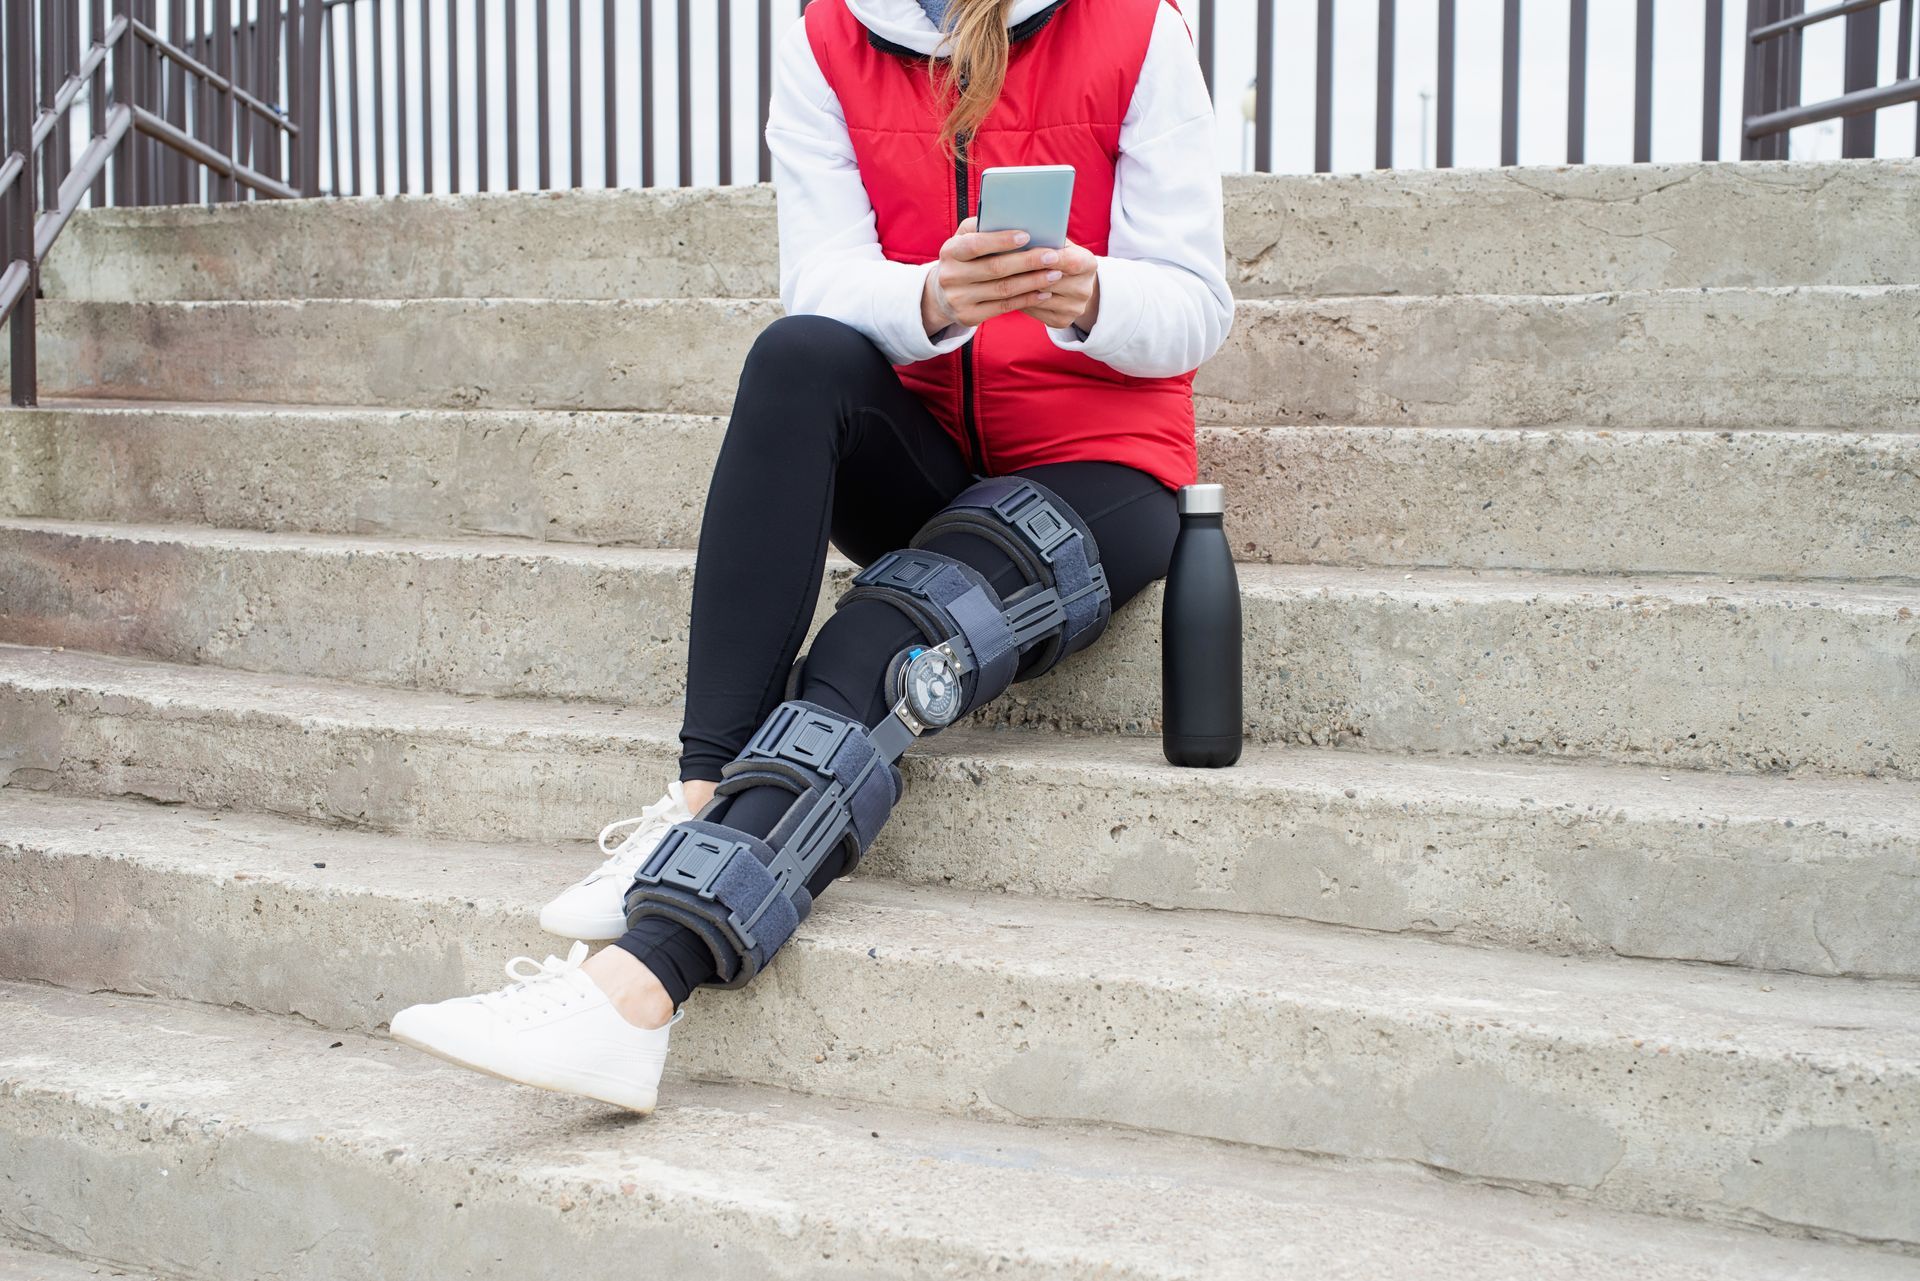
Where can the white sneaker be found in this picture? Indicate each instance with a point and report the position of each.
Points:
(595, 907)
(553, 1028)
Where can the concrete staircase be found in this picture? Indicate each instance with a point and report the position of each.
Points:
(1559, 922)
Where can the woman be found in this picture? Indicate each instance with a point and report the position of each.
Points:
(917, 356)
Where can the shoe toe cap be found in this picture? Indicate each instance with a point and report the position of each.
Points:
(593, 910)
(440, 1023)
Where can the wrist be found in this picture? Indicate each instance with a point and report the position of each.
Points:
(934, 313)
(1084, 322)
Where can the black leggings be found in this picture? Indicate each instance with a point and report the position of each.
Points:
(824, 443)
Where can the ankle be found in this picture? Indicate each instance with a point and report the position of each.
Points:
(634, 991)
(698, 792)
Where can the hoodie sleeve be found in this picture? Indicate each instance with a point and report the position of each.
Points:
(1165, 306)
(830, 259)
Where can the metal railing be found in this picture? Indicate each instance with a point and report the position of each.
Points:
(534, 94)
(194, 113)
(212, 100)
(1774, 31)
(1446, 82)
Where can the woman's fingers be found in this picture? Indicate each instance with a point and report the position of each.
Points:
(967, 246)
(977, 310)
(961, 271)
(1004, 287)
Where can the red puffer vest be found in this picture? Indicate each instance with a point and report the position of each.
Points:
(1010, 397)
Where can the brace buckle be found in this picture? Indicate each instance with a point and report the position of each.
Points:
(805, 738)
(902, 570)
(1035, 517)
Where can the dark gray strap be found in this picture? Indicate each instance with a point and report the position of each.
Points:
(1041, 533)
(715, 881)
(947, 598)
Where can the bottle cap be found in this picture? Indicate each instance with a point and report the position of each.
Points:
(1202, 500)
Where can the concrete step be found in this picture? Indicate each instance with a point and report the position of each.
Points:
(33, 1265)
(1534, 230)
(1792, 874)
(1721, 674)
(1840, 357)
(1773, 1100)
(1756, 504)
(319, 1156)
(615, 478)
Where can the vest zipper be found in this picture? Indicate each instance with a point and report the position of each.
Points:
(968, 418)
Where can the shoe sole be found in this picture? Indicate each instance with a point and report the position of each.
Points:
(482, 1068)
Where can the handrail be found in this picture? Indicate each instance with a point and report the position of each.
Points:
(1773, 30)
(63, 101)
(1774, 50)
(92, 162)
(211, 77)
(154, 127)
(142, 114)
(1858, 103)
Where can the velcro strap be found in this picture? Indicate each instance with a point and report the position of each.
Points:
(946, 597)
(1037, 529)
(834, 757)
(716, 881)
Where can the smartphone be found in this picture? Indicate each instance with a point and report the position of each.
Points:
(1030, 198)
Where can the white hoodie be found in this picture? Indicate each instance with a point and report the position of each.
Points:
(1164, 302)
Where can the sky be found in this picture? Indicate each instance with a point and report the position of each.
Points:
(1678, 68)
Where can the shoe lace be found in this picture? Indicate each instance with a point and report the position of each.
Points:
(538, 987)
(623, 859)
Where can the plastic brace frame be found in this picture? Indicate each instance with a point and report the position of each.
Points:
(809, 740)
(693, 861)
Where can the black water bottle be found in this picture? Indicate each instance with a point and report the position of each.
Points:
(1200, 638)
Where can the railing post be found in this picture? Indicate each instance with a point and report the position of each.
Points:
(1577, 81)
(123, 93)
(1323, 89)
(97, 93)
(574, 98)
(647, 86)
(683, 84)
(1383, 90)
(310, 34)
(173, 84)
(1863, 72)
(542, 91)
(1510, 84)
(1443, 115)
(1710, 82)
(51, 73)
(227, 64)
(1757, 96)
(1773, 75)
(1263, 86)
(1643, 83)
(20, 201)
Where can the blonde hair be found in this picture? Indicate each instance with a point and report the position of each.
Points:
(976, 66)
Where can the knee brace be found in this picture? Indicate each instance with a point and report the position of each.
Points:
(1062, 608)
(743, 894)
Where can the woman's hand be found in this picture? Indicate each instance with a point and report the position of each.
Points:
(978, 277)
(1074, 299)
